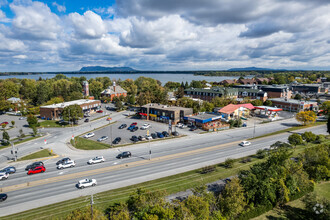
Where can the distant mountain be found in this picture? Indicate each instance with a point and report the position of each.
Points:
(255, 69)
(106, 69)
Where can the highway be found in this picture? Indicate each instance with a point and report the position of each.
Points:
(169, 157)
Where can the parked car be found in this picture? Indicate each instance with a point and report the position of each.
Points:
(141, 138)
(8, 170)
(145, 126)
(245, 143)
(21, 118)
(134, 138)
(63, 160)
(124, 154)
(89, 135)
(3, 197)
(122, 126)
(154, 136)
(180, 125)
(34, 165)
(99, 111)
(175, 133)
(86, 120)
(103, 138)
(159, 134)
(134, 124)
(135, 128)
(86, 115)
(98, 159)
(117, 140)
(131, 127)
(166, 134)
(35, 170)
(193, 128)
(148, 137)
(67, 164)
(4, 176)
(86, 183)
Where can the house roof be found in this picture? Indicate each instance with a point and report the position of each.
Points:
(113, 90)
(229, 109)
(247, 105)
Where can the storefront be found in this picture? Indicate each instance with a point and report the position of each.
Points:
(207, 122)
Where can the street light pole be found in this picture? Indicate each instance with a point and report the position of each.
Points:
(254, 124)
(13, 151)
(149, 145)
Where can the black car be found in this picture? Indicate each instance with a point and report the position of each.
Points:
(124, 154)
(122, 126)
(34, 165)
(86, 120)
(62, 160)
(193, 128)
(175, 133)
(9, 170)
(166, 134)
(3, 197)
(117, 140)
(153, 135)
(135, 129)
(134, 138)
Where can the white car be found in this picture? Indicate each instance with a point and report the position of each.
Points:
(86, 183)
(67, 164)
(180, 125)
(4, 176)
(89, 135)
(98, 159)
(148, 137)
(145, 126)
(103, 138)
(245, 143)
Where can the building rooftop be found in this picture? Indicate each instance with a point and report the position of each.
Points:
(113, 90)
(293, 101)
(65, 104)
(166, 107)
(203, 116)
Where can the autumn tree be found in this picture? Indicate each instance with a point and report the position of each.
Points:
(306, 117)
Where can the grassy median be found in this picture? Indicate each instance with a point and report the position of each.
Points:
(38, 154)
(171, 184)
(86, 144)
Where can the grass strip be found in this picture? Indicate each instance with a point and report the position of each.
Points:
(289, 129)
(86, 144)
(38, 154)
(171, 184)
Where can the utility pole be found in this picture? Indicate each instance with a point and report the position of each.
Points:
(254, 125)
(110, 131)
(149, 145)
(13, 151)
(92, 202)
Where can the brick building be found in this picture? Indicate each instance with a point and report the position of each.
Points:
(53, 112)
(113, 91)
(294, 105)
(306, 88)
(277, 91)
(164, 113)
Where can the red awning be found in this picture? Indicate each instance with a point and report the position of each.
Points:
(271, 109)
(143, 114)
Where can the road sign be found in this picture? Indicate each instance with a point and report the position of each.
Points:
(45, 141)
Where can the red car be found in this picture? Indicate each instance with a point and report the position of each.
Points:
(134, 124)
(4, 123)
(99, 111)
(35, 170)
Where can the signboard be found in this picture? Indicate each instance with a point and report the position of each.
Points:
(152, 115)
(215, 118)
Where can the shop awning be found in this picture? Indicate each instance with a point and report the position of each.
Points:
(267, 108)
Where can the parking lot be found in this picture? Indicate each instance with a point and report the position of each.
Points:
(19, 124)
(113, 131)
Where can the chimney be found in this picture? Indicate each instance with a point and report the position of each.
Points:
(114, 86)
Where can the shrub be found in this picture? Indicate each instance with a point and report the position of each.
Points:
(319, 139)
(295, 139)
(261, 154)
(229, 163)
(308, 136)
(246, 160)
(208, 169)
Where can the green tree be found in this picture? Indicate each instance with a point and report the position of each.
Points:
(308, 136)
(28, 89)
(5, 105)
(326, 108)
(197, 207)
(172, 85)
(32, 121)
(118, 211)
(131, 99)
(4, 126)
(306, 117)
(261, 154)
(8, 89)
(257, 102)
(95, 89)
(72, 113)
(179, 93)
(12, 123)
(35, 131)
(297, 97)
(44, 92)
(295, 139)
(21, 133)
(232, 200)
(85, 214)
(5, 136)
(55, 100)
(268, 103)
(119, 105)
(75, 95)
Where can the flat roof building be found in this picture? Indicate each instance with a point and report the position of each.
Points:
(52, 112)
(294, 105)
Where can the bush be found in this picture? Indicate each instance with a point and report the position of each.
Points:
(255, 211)
(319, 139)
(246, 160)
(229, 163)
(208, 169)
(295, 139)
(261, 154)
(309, 136)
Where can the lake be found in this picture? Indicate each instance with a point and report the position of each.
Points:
(163, 77)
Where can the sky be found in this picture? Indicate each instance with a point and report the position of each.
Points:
(65, 35)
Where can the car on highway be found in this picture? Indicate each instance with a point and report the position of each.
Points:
(35, 170)
(98, 159)
(134, 138)
(159, 134)
(245, 143)
(148, 137)
(175, 133)
(99, 111)
(166, 134)
(141, 138)
(86, 183)
(91, 134)
(63, 160)
(9, 170)
(3, 197)
(67, 164)
(4, 176)
(122, 126)
(86, 120)
(153, 135)
(135, 128)
(34, 165)
(86, 115)
(145, 126)
(124, 155)
(103, 138)
(117, 140)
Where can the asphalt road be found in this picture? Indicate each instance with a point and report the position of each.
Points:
(168, 157)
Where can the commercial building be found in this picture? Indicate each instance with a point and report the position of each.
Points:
(294, 105)
(276, 91)
(53, 112)
(113, 91)
(164, 113)
(306, 88)
(232, 111)
(208, 122)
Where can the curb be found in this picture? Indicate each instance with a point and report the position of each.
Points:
(47, 134)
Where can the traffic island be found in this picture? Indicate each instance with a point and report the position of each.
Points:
(39, 154)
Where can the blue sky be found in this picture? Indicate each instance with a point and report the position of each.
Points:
(164, 35)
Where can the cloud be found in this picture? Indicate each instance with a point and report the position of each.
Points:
(60, 8)
(20, 56)
(3, 2)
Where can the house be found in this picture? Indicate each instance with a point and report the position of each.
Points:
(262, 81)
(247, 81)
(227, 82)
(252, 94)
(232, 111)
(114, 91)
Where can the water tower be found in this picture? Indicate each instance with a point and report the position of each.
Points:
(85, 89)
